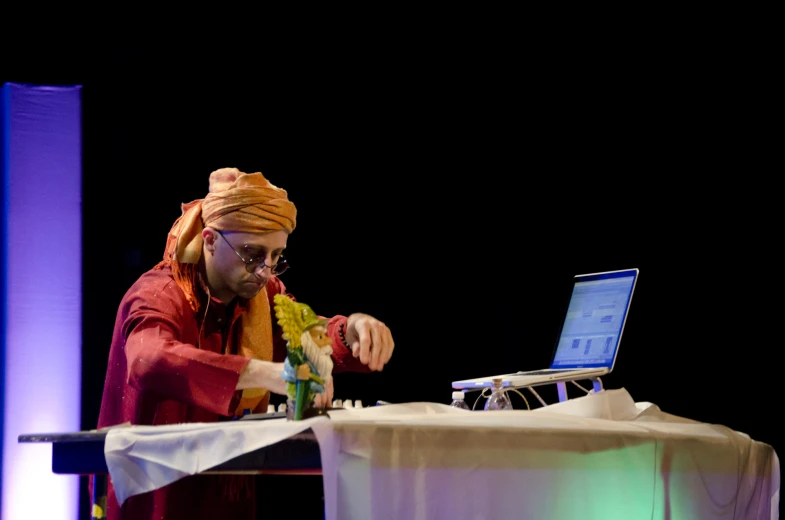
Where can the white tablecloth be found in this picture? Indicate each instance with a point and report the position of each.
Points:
(601, 456)
(144, 458)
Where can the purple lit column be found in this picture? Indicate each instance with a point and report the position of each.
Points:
(42, 293)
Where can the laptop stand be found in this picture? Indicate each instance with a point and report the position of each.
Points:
(561, 387)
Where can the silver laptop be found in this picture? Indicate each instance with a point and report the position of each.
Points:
(590, 335)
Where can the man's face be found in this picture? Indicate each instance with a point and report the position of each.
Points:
(238, 264)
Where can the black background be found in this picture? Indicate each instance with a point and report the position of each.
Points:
(452, 186)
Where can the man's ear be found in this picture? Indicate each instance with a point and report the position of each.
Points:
(208, 236)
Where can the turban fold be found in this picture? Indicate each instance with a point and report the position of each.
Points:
(237, 201)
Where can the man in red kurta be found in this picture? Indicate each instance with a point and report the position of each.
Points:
(195, 339)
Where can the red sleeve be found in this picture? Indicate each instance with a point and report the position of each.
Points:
(160, 360)
(343, 360)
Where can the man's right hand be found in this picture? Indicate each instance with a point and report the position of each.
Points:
(263, 374)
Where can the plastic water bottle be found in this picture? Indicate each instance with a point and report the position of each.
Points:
(458, 401)
(499, 400)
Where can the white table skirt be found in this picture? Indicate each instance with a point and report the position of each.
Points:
(601, 456)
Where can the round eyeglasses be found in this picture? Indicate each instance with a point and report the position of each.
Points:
(252, 264)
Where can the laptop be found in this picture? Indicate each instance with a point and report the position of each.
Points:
(588, 342)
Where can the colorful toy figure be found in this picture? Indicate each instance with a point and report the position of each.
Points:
(308, 366)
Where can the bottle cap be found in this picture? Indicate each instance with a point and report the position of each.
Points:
(358, 403)
(457, 395)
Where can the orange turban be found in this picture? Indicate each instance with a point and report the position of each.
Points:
(237, 201)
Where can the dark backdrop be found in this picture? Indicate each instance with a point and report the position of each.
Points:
(452, 192)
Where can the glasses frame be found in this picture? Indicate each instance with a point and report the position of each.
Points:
(252, 264)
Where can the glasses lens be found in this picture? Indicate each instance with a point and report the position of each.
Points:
(280, 267)
(277, 269)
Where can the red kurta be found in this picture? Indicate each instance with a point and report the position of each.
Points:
(156, 375)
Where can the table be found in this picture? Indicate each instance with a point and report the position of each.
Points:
(596, 457)
(82, 453)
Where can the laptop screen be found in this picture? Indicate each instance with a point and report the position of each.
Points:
(595, 319)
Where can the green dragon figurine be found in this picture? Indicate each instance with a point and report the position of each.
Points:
(308, 365)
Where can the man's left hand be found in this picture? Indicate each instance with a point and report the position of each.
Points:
(371, 340)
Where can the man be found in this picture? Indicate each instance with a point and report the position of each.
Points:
(195, 339)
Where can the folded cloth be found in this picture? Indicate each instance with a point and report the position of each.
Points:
(144, 458)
